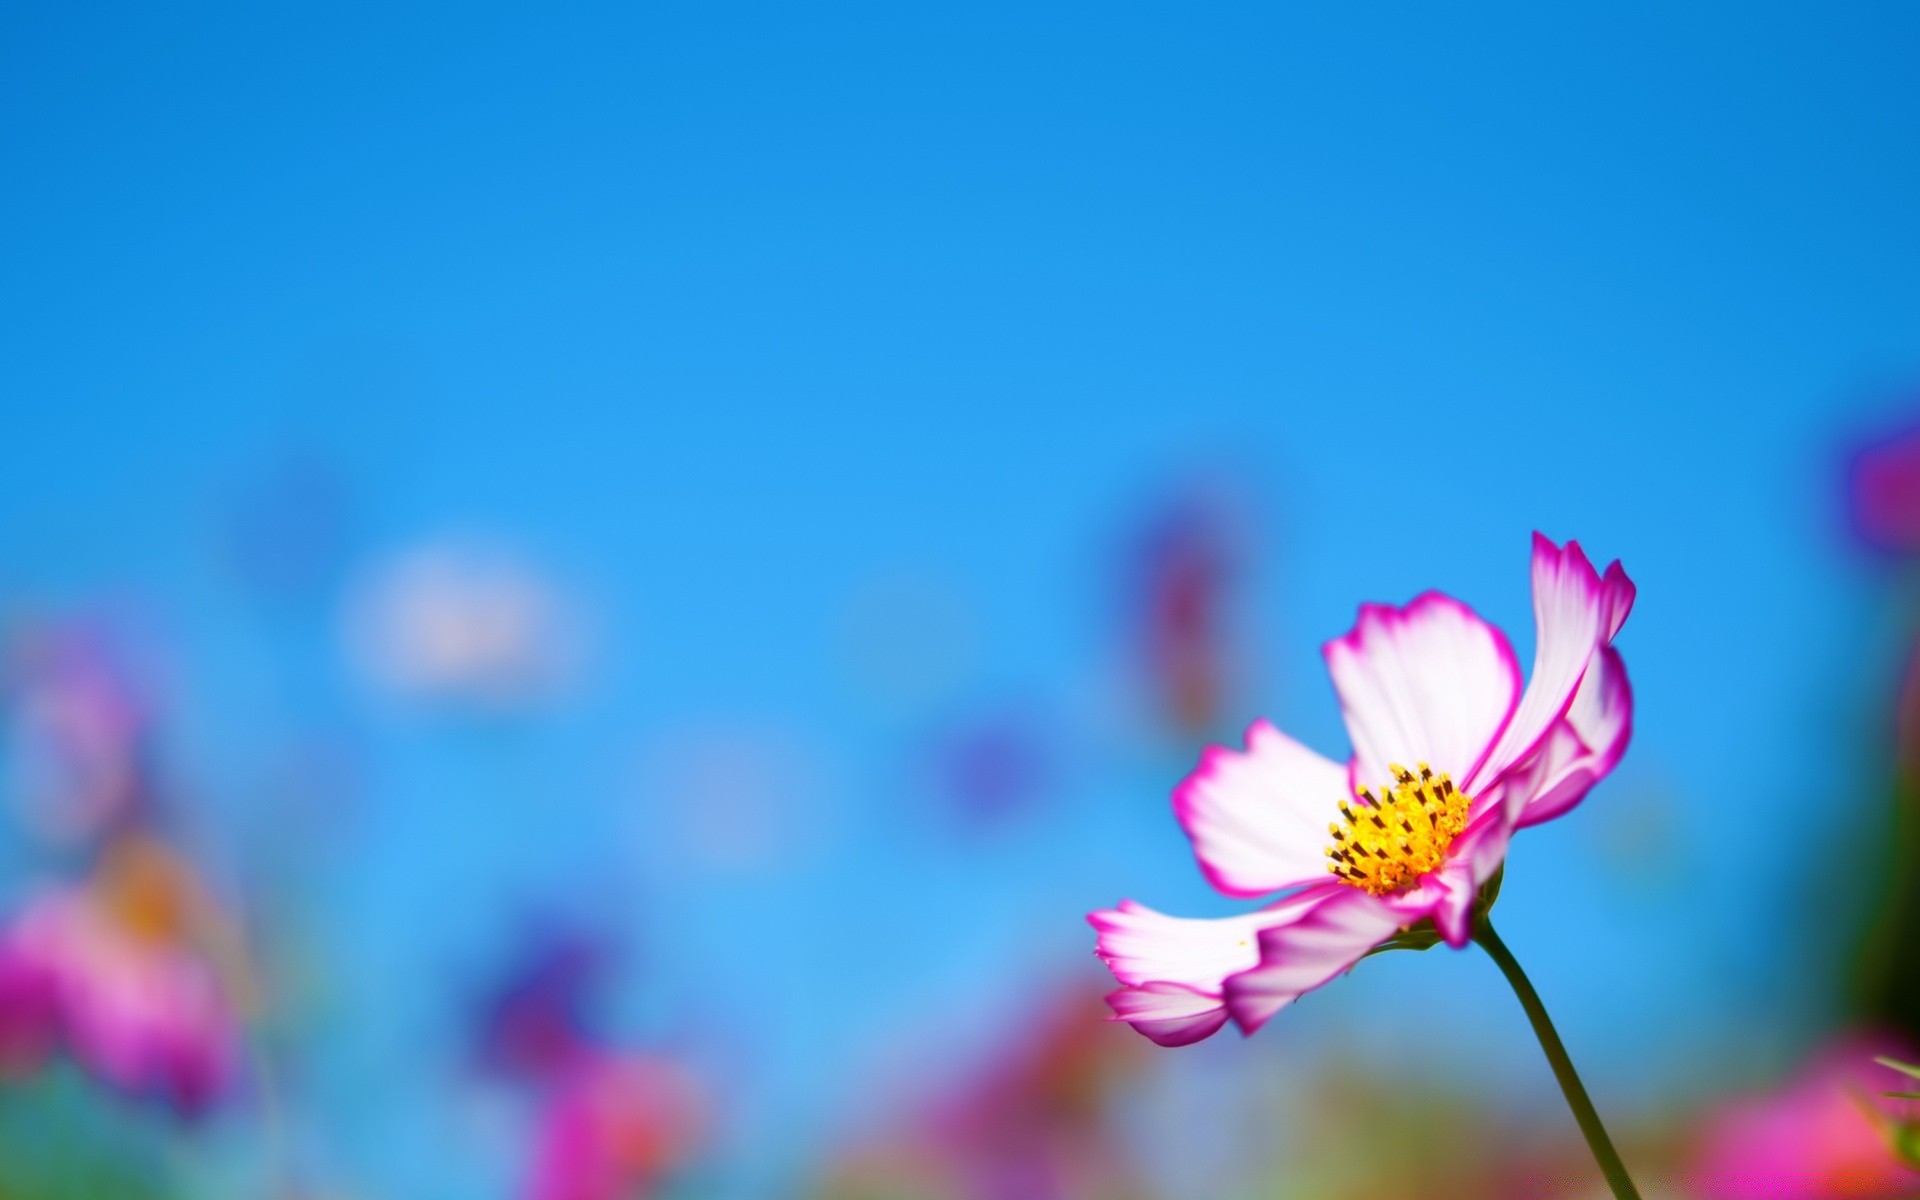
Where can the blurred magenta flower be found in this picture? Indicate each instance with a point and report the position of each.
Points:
(29, 1013)
(111, 972)
(1186, 564)
(615, 1129)
(1883, 488)
(1429, 684)
(1825, 1132)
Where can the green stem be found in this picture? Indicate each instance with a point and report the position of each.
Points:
(1556, 1051)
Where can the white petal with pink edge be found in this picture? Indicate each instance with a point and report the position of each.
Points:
(1573, 610)
(1140, 945)
(1175, 968)
(1258, 819)
(1581, 750)
(1430, 682)
(1169, 1013)
(1301, 955)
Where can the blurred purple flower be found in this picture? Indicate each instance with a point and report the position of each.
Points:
(77, 732)
(992, 769)
(1883, 491)
(534, 1027)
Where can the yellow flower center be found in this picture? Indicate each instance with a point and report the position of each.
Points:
(1388, 843)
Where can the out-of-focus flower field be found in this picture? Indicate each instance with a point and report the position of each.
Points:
(588, 599)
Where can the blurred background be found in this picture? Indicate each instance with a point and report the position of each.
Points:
(588, 596)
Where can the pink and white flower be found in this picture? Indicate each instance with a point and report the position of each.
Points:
(119, 972)
(1450, 757)
(615, 1128)
(1824, 1132)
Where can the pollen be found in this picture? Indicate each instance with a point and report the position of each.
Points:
(1388, 842)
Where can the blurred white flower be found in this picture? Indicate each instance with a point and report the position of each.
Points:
(463, 623)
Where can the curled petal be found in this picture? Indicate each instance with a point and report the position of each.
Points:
(1430, 682)
(1617, 592)
(1308, 951)
(1169, 1013)
(1258, 820)
(1583, 748)
(1574, 612)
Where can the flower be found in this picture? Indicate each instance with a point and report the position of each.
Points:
(615, 1129)
(1361, 853)
(1883, 485)
(77, 732)
(534, 1027)
(1823, 1133)
(1186, 565)
(109, 971)
(467, 625)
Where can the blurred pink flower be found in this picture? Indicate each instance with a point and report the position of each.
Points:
(1430, 684)
(1815, 1136)
(1883, 483)
(106, 972)
(615, 1129)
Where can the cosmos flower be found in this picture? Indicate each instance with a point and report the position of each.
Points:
(108, 971)
(1450, 757)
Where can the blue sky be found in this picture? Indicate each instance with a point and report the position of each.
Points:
(723, 313)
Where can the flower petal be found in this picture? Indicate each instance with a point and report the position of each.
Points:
(1308, 951)
(1176, 967)
(1431, 682)
(1574, 611)
(1169, 1013)
(1583, 748)
(1258, 820)
(1140, 945)
(1475, 856)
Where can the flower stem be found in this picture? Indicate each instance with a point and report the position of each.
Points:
(1575, 1091)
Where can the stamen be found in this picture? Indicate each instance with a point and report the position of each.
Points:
(1374, 854)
